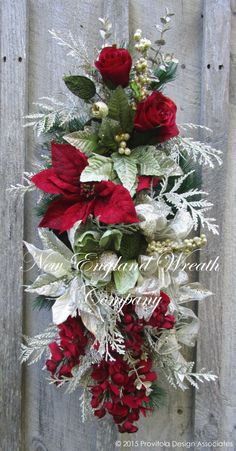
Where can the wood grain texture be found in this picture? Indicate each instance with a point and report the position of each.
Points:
(13, 72)
(52, 419)
(174, 421)
(200, 37)
(215, 403)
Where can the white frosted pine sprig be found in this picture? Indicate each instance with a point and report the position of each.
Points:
(34, 348)
(197, 207)
(20, 189)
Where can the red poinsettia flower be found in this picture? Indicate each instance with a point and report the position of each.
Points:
(110, 202)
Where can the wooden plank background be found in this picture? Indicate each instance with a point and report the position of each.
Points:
(34, 415)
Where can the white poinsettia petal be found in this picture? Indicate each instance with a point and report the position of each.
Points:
(72, 233)
(47, 285)
(50, 241)
(179, 227)
(187, 333)
(91, 323)
(67, 304)
(193, 292)
(49, 261)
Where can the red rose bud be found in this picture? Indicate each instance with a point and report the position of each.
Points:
(157, 111)
(114, 65)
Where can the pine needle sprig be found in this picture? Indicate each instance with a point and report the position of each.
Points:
(55, 116)
(157, 397)
(43, 302)
(44, 203)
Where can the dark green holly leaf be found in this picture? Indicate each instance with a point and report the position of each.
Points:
(120, 110)
(80, 86)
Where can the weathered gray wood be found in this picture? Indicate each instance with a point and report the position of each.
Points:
(214, 402)
(52, 419)
(13, 71)
(174, 421)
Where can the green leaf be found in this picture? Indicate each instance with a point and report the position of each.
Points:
(109, 128)
(126, 277)
(100, 168)
(132, 246)
(126, 169)
(154, 162)
(120, 110)
(87, 243)
(85, 140)
(80, 86)
(136, 89)
(111, 239)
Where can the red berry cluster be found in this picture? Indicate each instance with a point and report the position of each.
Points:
(66, 354)
(116, 391)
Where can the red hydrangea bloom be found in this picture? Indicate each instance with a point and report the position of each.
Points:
(159, 317)
(131, 325)
(115, 391)
(110, 202)
(66, 354)
(114, 65)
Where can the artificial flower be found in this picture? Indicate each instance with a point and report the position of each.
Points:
(114, 65)
(146, 182)
(109, 202)
(157, 112)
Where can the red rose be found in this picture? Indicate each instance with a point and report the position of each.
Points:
(157, 111)
(114, 65)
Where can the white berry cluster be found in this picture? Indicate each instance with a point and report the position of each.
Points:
(169, 246)
(141, 67)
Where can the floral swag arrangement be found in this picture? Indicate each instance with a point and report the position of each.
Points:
(119, 202)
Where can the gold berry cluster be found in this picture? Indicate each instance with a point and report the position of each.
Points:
(169, 246)
(122, 139)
